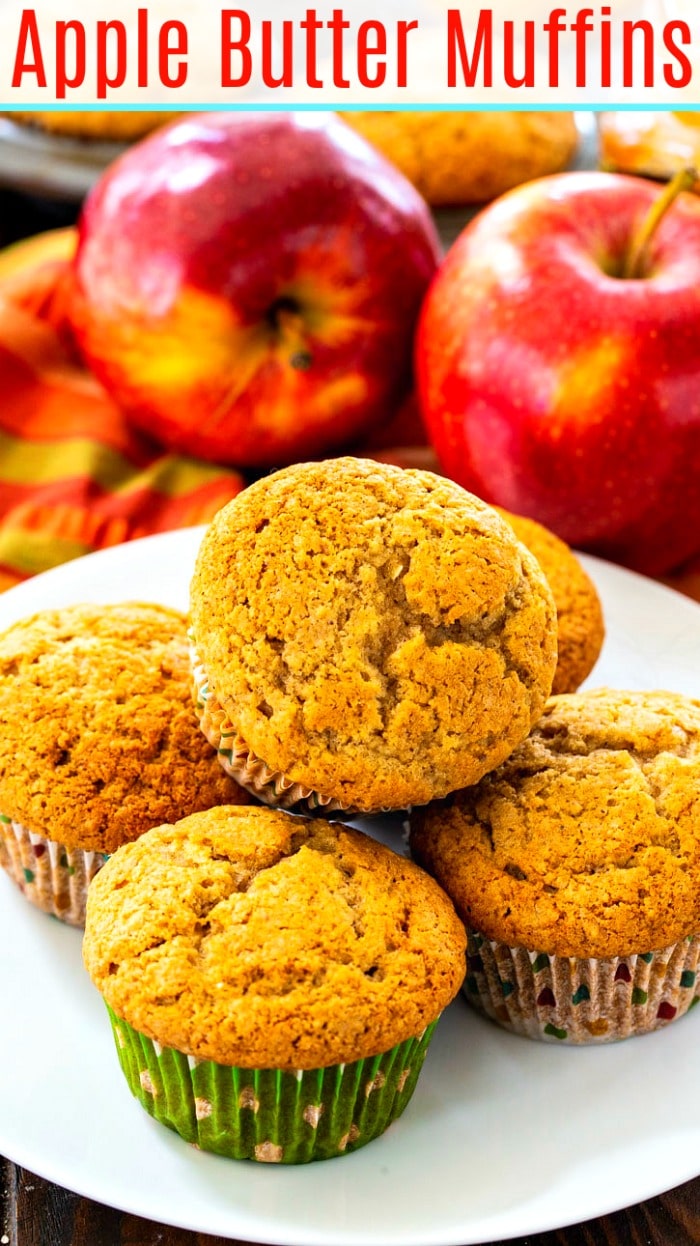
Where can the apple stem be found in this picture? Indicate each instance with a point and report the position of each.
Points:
(290, 330)
(635, 262)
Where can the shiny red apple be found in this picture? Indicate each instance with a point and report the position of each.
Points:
(247, 285)
(557, 386)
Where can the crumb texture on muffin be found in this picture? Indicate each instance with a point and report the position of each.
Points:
(98, 736)
(470, 157)
(375, 633)
(253, 938)
(113, 126)
(586, 841)
(580, 626)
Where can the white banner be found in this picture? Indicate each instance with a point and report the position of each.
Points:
(412, 53)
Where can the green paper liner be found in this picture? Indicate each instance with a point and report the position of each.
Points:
(243, 765)
(270, 1115)
(54, 878)
(564, 999)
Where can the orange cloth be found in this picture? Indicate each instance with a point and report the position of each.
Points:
(74, 477)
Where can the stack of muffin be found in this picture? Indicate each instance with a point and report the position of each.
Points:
(363, 639)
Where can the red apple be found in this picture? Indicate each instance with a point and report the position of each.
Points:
(248, 285)
(559, 388)
(404, 428)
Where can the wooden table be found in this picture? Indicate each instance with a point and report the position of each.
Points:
(36, 1213)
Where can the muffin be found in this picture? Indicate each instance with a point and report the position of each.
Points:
(470, 157)
(580, 627)
(114, 126)
(576, 869)
(366, 637)
(98, 743)
(656, 144)
(272, 981)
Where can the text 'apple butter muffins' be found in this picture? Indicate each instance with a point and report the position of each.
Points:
(98, 743)
(576, 869)
(273, 982)
(366, 637)
(580, 626)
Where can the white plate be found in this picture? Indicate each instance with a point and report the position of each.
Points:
(503, 1136)
(56, 165)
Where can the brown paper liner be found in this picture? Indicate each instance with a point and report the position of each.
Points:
(53, 877)
(571, 1000)
(242, 764)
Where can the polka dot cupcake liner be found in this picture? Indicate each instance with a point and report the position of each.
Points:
(270, 1115)
(53, 877)
(563, 999)
(244, 766)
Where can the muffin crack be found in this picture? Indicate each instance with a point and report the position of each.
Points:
(486, 632)
(99, 739)
(589, 833)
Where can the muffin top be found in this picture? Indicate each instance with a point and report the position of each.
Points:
(105, 126)
(98, 736)
(586, 841)
(255, 938)
(470, 157)
(580, 627)
(376, 634)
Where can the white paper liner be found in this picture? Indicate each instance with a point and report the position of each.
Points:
(575, 1000)
(53, 877)
(242, 764)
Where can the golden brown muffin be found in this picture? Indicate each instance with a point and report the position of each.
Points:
(470, 157)
(586, 841)
(376, 634)
(580, 627)
(98, 743)
(108, 127)
(657, 144)
(576, 868)
(253, 938)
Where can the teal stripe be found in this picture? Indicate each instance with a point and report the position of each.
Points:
(532, 105)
